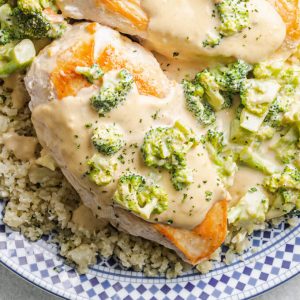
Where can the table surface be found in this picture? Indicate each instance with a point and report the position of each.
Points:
(13, 287)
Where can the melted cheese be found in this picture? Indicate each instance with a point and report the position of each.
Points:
(70, 142)
(183, 25)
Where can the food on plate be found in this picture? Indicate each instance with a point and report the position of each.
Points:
(27, 19)
(191, 148)
(107, 167)
(228, 28)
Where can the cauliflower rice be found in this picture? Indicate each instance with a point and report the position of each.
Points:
(39, 201)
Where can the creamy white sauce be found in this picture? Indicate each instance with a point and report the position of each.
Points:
(23, 147)
(245, 178)
(182, 25)
(67, 119)
(84, 219)
(19, 95)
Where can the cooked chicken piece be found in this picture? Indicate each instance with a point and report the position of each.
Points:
(194, 224)
(187, 29)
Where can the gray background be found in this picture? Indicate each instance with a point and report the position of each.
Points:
(14, 288)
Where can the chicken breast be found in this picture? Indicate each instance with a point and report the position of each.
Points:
(194, 223)
(186, 29)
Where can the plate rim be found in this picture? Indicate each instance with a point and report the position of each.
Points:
(56, 292)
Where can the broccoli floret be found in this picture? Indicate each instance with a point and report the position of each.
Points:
(250, 212)
(288, 78)
(107, 139)
(90, 73)
(238, 134)
(267, 70)
(134, 194)
(249, 156)
(257, 95)
(15, 56)
(202, 111)
(181, 177)
(283, 202)
(292, 116)
(5, 22)
(167, 147)
(265, 133)
(113, 94)
(215, 88)
(286, 148)
(285, 187)
(211, 88)
(216, 141)
(275, 113)
(28, 20)
(241, 135)
(234, 16)
(231, 77)
(221, 155)
(212, 41)
(5, 37)
(101, 170)
(288, 179)
(222, 82)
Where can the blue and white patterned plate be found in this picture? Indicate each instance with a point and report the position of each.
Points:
(277, 260)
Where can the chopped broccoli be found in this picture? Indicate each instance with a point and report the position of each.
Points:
(221, 155)
(15, 56)
(5, 23)
(101, 170)
(167, 147)
(29, 19)
(292, 116)
(112, 94)
(250, 212)
(181, 178)
(215, 88)
(222, 82)
(265, 133)
(238, 134)
(288, 78)
(288, 179)
(107, 139)
(202, 111)
(283, 202)
(90, 73)
(285, 187)
(5, 37)
(26, 20)
(134, 194)
(286, 148)
(253, 159)
(211, 88)
(212, 41)
(234, 16)
(231, 77)
(250, 121)
(268, 70)
(276, 113)
(257, 95)
(216, 142)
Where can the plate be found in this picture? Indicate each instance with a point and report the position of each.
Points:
(276, 260)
